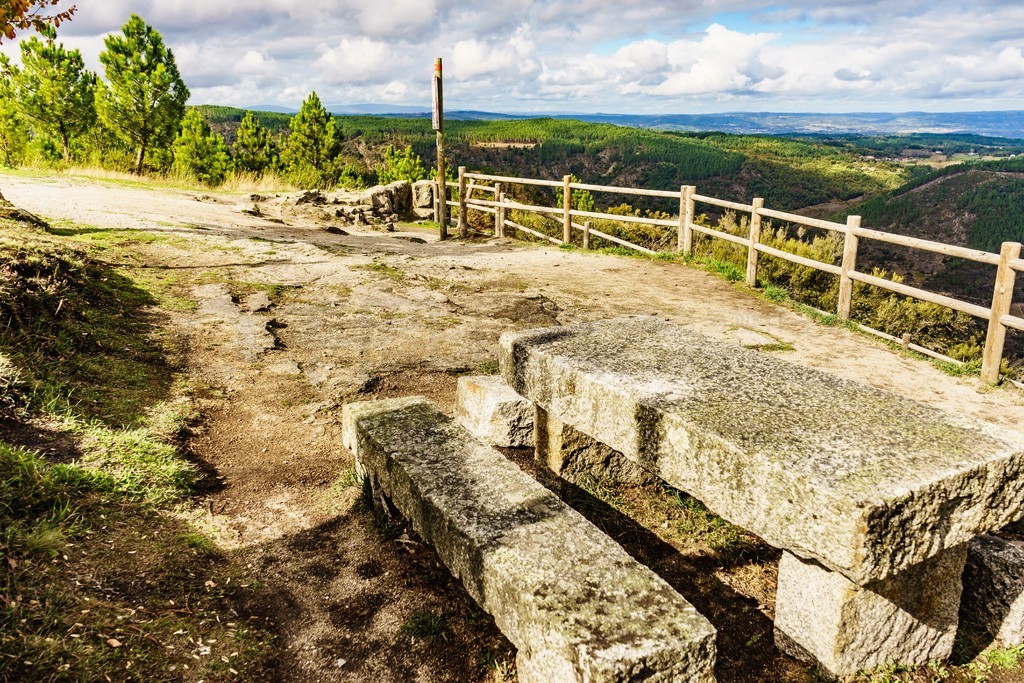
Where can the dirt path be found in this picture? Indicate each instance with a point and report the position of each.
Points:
(293, 321)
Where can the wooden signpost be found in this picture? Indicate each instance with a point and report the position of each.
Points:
(441, 192)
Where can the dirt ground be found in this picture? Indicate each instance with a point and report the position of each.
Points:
(292, 321)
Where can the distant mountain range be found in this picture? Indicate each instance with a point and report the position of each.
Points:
(996, 123)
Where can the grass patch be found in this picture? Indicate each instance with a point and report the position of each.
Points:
(775, 293)
(82, 350)
(137, 465)
(501, 666)
(730, 271)
(159, 596)
(488, 367)
(384, 269)
(81, 332)
(425, 625)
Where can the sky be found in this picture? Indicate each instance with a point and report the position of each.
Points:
(587, 56)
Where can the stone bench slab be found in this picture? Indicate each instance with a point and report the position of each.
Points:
(576, 606)
(864, 481)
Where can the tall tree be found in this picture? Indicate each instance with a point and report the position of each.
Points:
(255, 148)
(14, 132)
(20, 15)
(200, 152)
(313, 141)
(54, 90)
(145, 99)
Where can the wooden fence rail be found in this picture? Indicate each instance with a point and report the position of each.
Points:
(1008, 261)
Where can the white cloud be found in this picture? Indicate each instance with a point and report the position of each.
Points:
(587, 55)
(396, 16)
(473, 58)
(358, 60)
(253, 63)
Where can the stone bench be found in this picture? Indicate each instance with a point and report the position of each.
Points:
(576, 606)
(872, 497)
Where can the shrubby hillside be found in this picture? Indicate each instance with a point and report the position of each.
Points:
(788, 173)
(977, 205)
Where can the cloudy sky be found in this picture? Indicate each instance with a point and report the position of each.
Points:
(621, 56)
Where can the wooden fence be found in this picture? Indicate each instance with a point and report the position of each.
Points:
(1007, 262)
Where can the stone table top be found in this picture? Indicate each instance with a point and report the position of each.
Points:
(862, 480)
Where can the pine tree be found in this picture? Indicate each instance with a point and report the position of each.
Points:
(312, 143)
(255, 149)
(145, 99)
(54, 90)
(401, 165)
(200, 152)
(14, 133)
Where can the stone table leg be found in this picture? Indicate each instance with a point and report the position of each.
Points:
(993, 599)
(908, 619)
(571, 455)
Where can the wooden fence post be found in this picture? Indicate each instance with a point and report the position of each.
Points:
(849, 265)
(499, 214)
(441, 191)
(686, 209)
(463, 213)
(755, 239)
(438, 124)
(437, 206)
(1002, 297)
(566, 208)
(586, 234)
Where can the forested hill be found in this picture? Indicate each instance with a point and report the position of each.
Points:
(789, 174)
(979, 205)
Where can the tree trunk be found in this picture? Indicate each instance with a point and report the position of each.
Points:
(141, 157)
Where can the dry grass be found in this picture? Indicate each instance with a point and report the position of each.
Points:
(240, 182)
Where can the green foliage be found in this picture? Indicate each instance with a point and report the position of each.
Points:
(401, 165)
(895, 145)
(218, 115)
(199, 152)
(144, 98)
(998, 210)
(582, 200)
(14, 132)
(312, 144)
(54, 91)
(930, 325)
(255, 148)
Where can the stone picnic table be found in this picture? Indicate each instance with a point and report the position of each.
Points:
(871, 496)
